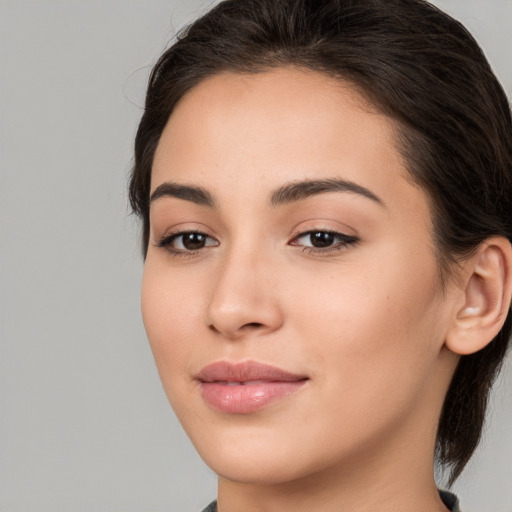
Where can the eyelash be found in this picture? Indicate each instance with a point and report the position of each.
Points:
(167, 240)
(343, 242)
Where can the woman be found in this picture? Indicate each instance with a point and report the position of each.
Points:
(326, 196)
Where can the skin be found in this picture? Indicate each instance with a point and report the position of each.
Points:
(366, 322)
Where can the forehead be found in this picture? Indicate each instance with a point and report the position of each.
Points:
(278, 126)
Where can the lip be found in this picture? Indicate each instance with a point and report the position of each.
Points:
(243, 388)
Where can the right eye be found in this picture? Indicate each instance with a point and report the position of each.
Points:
(187, 242)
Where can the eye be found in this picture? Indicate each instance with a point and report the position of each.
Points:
(187, 241)
(324, 241)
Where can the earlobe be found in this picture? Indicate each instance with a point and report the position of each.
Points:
(485, 297)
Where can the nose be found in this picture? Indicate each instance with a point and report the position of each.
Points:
(244, 301)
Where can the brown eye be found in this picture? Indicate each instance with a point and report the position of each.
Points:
(193, 241)
(321, 239)
(324, 241)
(187, 241)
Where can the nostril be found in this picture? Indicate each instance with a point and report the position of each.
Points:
(245, 328)
(252, 325)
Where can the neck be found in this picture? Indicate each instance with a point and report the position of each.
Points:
(391, 486)
(331, 495)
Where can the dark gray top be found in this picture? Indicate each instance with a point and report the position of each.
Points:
(449, 499)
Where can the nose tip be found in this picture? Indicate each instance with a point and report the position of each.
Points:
(246, 320)
(243, 305)
(245, 329)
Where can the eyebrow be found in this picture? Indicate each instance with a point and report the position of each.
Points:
(191, 193)
(288, 193)
(297, 191)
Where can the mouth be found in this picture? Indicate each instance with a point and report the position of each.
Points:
(247, 387)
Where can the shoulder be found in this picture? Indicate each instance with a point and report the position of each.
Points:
(449, 499)
(212, 507)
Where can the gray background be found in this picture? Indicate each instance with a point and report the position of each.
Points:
(84, 424)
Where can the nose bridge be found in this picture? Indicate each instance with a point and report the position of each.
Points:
(243, 299)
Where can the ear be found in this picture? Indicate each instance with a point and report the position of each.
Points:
(484, 297)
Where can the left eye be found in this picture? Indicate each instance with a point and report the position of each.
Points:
(187, 241)
(324, 239)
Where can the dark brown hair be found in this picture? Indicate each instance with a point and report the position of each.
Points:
(415, 64)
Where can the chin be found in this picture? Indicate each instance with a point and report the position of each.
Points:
(251, 456)
(266, 457)
(246, 470)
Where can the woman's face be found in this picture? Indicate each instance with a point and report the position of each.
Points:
(291, 295)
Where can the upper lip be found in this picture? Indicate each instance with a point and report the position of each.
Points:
(224, 371)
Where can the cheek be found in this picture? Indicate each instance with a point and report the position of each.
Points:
(170, 316)
(375, 329)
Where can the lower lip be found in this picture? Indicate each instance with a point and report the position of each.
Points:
(246, 398)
